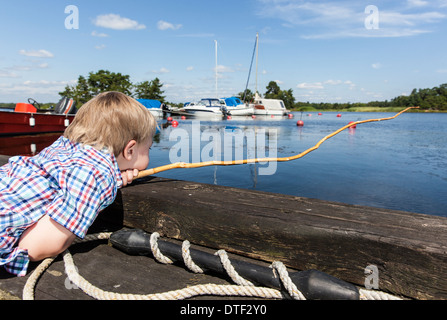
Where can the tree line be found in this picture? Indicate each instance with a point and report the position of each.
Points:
(432, 99)
(103, 80)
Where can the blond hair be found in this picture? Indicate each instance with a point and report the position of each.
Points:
(111, 120)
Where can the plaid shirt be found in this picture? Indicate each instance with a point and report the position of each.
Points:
(69, 182)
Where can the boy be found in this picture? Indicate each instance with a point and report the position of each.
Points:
(49, 199)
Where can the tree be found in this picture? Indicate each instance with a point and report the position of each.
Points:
(104, 80)
(149, 90)
(275, 92)
(272, 90)
(287, 97)
(246, 95)
(80, 92)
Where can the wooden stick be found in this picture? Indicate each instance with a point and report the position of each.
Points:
(178, 165)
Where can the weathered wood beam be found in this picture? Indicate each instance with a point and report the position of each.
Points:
(409, 249)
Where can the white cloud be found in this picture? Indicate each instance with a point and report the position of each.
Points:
(393, 18)
(305, 85)
(417, 3)
(100, 46)
(376, 65)
(116, 22)
(7, 74)
(163, 25)
(190, 68)
(36, 53)
(324, 84)
(42, 90)
(99, 34)
(322, 19)
(162, 70)
(223, 69)
(197, 35)
(333, 82)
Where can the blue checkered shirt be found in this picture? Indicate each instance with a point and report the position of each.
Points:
(69, 182)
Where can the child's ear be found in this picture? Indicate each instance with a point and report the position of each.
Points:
(129, 150)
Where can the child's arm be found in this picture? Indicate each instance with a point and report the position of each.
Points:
(46, 238)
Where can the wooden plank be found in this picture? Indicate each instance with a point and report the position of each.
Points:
(409, 249)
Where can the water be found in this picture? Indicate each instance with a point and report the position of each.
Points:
(398, 164)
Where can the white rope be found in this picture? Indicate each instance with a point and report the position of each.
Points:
(156, 252)
(230, 269)
(244, 287)
(287, 282)
(187, 258)
(376, 295)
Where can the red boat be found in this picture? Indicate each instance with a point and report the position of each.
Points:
(29, 119)
(26, 145)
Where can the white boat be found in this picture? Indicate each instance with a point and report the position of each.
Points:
(154, 106)
(264, 106)
(235, 107)
(206, 107)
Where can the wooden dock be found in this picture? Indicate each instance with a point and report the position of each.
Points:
(408, 249)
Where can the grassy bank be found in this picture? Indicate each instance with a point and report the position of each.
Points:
(362, 109)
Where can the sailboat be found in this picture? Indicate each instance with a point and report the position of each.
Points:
(264, 106)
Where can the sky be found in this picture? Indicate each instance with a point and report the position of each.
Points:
(325, 51)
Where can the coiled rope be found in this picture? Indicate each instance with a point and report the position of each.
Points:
(243, 287)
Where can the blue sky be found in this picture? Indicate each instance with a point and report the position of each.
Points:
(325, 51)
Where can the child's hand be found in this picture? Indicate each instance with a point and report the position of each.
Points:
(128, 176)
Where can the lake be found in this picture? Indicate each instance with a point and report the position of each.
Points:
(398, 164)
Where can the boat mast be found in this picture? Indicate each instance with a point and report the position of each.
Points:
(251, 65)
(257, 46)
(215, 45)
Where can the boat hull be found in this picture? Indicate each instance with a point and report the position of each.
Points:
(205, 112)
(240, 111)
(157, 113)
(18, 123)
(266, 112)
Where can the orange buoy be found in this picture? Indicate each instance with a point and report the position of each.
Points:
(353, 126)
(300, 123)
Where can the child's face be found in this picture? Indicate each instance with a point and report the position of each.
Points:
(136, 156)
(141, 161)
